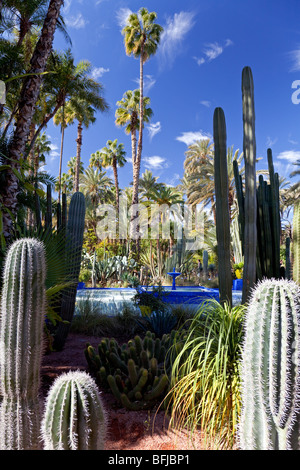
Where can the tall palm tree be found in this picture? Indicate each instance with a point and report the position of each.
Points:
(72, 163)
(96, 186)
(128, 115)
(164, 197)
(26, 107)
(114, 155)
(141, 37)
(84, 111)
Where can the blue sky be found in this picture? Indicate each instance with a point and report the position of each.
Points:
(198, 67)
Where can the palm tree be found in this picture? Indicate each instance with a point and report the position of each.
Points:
(26, 107)
(141, 37)
(72, 163)
(96, 160)
(84, 111)
(128, 113)
(164, 197)
(114, 155)
(199, 174)
(95, 184)
(147, 184)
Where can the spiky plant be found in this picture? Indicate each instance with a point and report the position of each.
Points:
(74, 417)
(23, 311)
(271, 368)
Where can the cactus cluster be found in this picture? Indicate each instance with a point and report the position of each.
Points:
(136, 372)
(271, 368)
(74, 417)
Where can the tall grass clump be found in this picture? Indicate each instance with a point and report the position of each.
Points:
(205, 378)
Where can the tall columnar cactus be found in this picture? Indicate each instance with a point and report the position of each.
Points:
(205, 263)
(23, 310)
(222, 207)
(74, 236)
(271, 368)
(74, 417)
(296, 243)
(249, 149)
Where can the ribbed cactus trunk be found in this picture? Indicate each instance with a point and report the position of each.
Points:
(296, 243)
(74, 235)
(222, 207)
(271, 368)
(23, 310)
(249, 149)
(74, 417)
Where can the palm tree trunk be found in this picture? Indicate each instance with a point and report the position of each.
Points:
(45, 121)
(61, 152)
(27, 102)
(137, 164)
(78, 156)
(115, 170)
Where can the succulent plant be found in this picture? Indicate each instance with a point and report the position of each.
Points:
(271, 368)
(222, 207)
(136, 372)
(23, 311)
(74, 417)
(250, 205)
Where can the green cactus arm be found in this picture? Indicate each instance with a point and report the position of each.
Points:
(249, 151)
(222, 207)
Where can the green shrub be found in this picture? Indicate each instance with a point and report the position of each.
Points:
(205, 376)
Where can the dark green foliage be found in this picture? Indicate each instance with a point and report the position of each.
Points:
(136, 372)
(160, 322)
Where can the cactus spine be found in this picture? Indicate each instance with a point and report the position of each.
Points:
(249, 149)
(222, 206)
(296, 243)
(23, 310)
(271, 368)
(74, 416)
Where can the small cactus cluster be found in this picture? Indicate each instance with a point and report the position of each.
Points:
(136, 372)
(74, 417)
(271, 368)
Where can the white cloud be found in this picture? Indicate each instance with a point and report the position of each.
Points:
(270, 142)
(76, 21)
(212, 51)
(155, 163)
(295, 59)
(66, 7)
(190, 137)
(149, 82)
(173, 180)
(98, 72)
(173, 35)
(154, 129)
(291, 156)
(54, 152)
(205, 103)
(122, 16)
